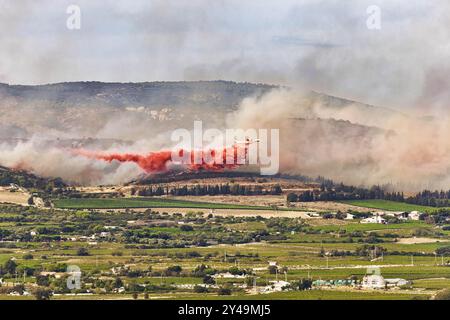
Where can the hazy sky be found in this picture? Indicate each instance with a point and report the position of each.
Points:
(322, 45)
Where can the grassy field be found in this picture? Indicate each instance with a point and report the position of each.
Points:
(290, 295)
(142, 255)
(120, 203)
(312, 295)
(350, 227)
(388, 205)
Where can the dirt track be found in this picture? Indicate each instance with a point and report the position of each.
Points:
(419, 240)
(236, 213)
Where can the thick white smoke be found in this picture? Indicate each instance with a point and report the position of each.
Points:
(50, 161)
(351, 142)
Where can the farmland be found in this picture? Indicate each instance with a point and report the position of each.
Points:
(121, 203)
(139, 251)
(388, 205)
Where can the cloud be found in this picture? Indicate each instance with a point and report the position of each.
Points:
(350, 142)
(323, 45)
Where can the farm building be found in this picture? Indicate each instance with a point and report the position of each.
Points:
(376, 219)
(349, 216)
(414, 215)
(275, 286)
(330, 283)
(379, 282)
(373, 281)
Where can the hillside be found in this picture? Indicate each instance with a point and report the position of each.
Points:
(90, 109)
(121, 95)
(26, 180)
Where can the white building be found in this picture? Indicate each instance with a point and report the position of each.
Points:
(373, 281)
(275, 286)
(397, 282)
(228, 275)
(349, 216)
(414, 215)
(376, 219)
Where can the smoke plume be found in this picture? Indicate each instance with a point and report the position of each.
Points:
(355, 144)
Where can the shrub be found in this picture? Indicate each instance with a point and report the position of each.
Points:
(443, 295)
(82, 252)
(224, 291)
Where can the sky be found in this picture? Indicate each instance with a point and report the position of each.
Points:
(320, 45)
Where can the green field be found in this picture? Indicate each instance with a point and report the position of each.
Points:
(388, 205)
(142, 257)
(313, 295)
(121, 203)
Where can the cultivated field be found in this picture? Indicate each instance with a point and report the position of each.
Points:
(388, 205)
(128, 253)
(6, 196)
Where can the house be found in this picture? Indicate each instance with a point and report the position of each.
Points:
(275, 286)
(349, 217)
(373, 281)
(228, 275)
(13, 187)
(313, 215)
(414, 215)
(334, 283)
(397, 282)
(376, 219)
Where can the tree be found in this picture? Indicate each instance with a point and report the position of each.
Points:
(200, 289)
(292, 197)
(82, 252)
(43, 294)
(208, 280)
(272, 269)
(174, 269)
(284, 269)
(340, 215)
(443, 295)
(43, 281)
(303, 284)
(444, 251)
(186, 227)
(10, 266)
(223, 291)
(118, 283)
(328, 216)
(249, 281)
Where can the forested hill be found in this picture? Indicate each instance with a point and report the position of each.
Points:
(27, 180)
(174, 94)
